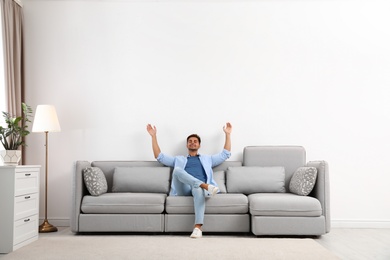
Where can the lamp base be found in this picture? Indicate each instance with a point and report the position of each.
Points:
(46, 227)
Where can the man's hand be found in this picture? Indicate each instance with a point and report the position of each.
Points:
(228, 128)
(152, 130)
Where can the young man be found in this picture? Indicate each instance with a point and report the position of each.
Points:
(193, 174)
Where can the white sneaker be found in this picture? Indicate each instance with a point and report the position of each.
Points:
(212, 190)
(197, 233)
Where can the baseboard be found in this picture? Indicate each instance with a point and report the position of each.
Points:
(58, 222)
(347, 223)
(336, 223)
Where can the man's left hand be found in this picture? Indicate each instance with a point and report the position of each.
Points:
(228, 128)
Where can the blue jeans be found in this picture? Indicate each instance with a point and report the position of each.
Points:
(187, 185)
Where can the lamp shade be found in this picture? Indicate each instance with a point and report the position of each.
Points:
(46, 119)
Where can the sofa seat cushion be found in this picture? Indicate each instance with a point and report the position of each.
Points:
(218, 204)
(283, 204)
(124, 203)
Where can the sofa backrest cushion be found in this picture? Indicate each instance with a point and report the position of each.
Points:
(108, 168)
(219, 177)
(249, 180)
(226, 164)
(289, 157)
(141, 179)
(220, 173)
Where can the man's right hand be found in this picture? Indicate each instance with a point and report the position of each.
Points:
(152, 130)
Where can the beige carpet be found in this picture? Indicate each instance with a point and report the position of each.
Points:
(169, 247)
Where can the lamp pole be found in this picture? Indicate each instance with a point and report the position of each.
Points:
(46, 121)
(46, 226)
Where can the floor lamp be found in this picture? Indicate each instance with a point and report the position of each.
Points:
(46, 121)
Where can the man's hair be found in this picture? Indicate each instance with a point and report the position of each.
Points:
(194, 135)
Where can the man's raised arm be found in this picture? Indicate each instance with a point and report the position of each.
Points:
(227, 129)
(153, 133)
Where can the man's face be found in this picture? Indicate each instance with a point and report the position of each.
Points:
(193, 144)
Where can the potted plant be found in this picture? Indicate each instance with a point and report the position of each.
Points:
(11, 137)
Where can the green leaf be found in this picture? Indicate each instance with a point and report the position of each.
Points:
(11, 137)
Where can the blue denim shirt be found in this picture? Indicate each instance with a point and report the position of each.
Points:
(207, 161)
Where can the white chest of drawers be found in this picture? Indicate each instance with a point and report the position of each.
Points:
(19, 206)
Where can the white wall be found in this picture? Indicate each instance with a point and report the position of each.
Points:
(311, 73)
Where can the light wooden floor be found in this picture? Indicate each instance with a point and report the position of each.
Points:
(358, 244)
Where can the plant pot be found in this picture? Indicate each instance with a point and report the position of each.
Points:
(11, 157)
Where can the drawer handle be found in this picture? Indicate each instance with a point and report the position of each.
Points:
(27, 220)
(27, 174)
(27, 197)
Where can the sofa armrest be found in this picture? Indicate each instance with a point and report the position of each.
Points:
(321, 190)
(78, 192)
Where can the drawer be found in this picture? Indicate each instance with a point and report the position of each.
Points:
(25, 228)
(26, 205)
(26, 182)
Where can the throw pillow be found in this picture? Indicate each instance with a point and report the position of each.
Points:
(95, 180)
(255, 179)
(219, 177)
(303, 180)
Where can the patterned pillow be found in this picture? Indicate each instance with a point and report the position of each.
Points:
(95, 180)
(303, 180)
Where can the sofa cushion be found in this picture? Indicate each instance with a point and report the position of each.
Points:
(303, 180)
(219, 177)
(284, 204)
(95, 181)
(124, 203)
(290, 157)
(141, 179)
(218, 204)
(255, 179)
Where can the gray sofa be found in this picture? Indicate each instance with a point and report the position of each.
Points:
(253, 197)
